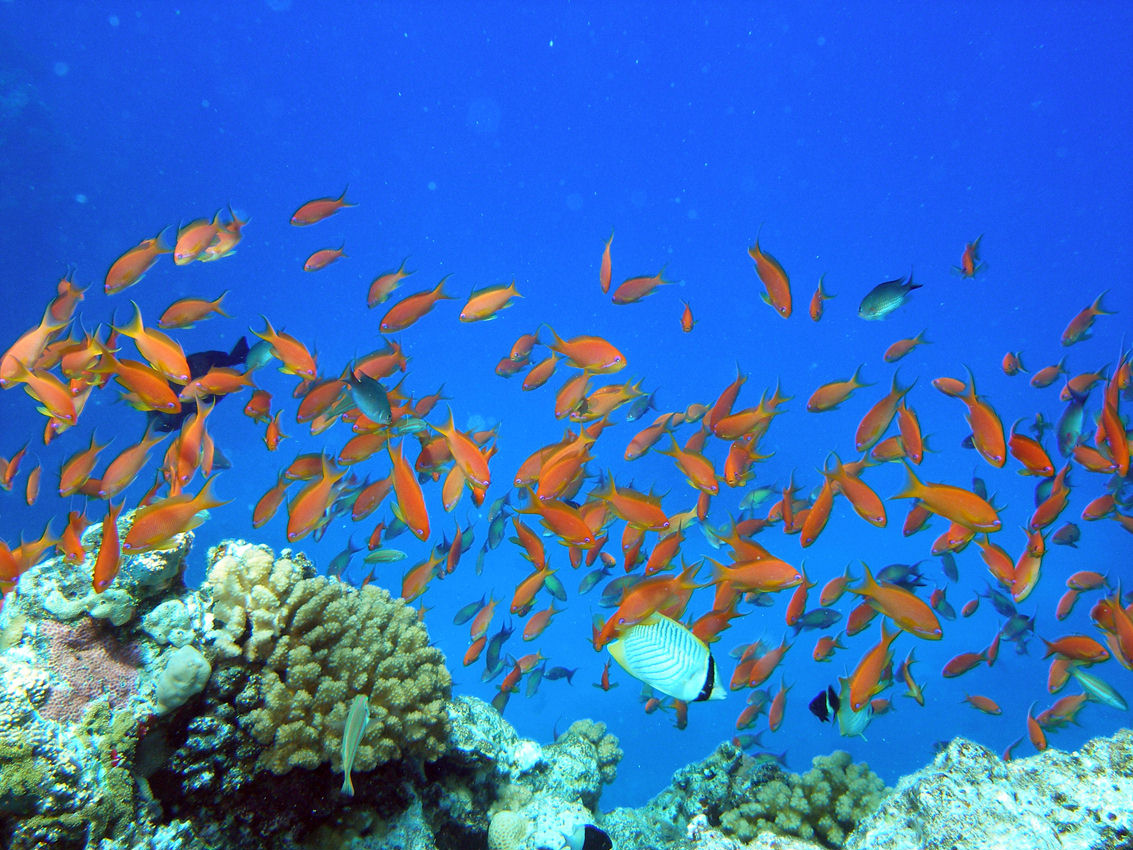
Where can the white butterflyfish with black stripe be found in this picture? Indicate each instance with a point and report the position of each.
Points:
(668, 657)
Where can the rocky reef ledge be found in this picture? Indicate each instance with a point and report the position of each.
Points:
(164, 717)
(970, 799)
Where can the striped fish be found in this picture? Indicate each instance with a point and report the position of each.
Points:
(662, 653)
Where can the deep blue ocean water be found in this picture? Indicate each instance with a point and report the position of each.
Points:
(493, 142)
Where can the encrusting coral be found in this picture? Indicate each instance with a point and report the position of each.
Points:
(322, 642)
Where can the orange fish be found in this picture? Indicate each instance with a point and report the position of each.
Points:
(1031, 454)
(155, 525)
(308, 509)
(605, 271)
(382, 287)
(109, 559)
(323, 258)
(634, 289)
(910, 431)
(590, 353)
(484, 304)
(987, 430)
(410, 499)
(77, 469)
(29, 348)
(903, 346)
(273, 434)
(877, 419)
(129, 268)
(909, 612)
(269, 502)
(774, 279)
(67, 297)
(829, 396)
(953, 503)
(466, 453)
(865, 681)
(53, 394)
(320, 208)
(185, 312)
(125, 467)
(294, 356)
(1013, 363)
(1079, 327)
(416, 580)
(162, 353)
(984, 704)
(1035, 731)
(970, 264)
(194, 238)
(687, 320)
(697, 469)
(816, 301)
(412, 307)
(1048, 374)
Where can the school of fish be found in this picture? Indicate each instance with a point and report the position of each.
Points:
(401, 459)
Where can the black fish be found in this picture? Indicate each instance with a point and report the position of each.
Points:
(199, 363)
(825, 705)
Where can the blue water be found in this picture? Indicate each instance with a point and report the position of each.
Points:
(495, 143)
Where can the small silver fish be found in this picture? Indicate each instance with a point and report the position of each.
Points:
(886, 297)
(357, 719)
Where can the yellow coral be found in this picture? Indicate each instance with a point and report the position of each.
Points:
(321, 642)
(507, 830)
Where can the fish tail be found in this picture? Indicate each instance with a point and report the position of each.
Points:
(913, 486)
(1097, 309)
(347, 785)
(439, 289)
(164, 242)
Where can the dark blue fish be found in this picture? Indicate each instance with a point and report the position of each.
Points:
(199, 363)
(567, 673)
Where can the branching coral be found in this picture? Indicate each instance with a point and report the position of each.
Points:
(823, 805)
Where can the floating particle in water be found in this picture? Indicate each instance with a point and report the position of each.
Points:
(61, 69)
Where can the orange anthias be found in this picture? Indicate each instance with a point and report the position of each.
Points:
(909, 612)
(865, 681)
(635, 288)
(953, 503)
(129, 268)
(109, 559)
(589, 353)
(829, 396)
(294, 356)
(382, 287)
(410, 499)
(774, 279)
(485, 303)
(318, 209)
(876, 421)
(155, 525)
(162, 353)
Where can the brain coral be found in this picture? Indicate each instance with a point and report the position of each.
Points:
(316, 643)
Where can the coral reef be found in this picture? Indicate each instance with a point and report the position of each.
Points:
(968, 798)
(322, 642)
(824, 804)
(212, 717)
